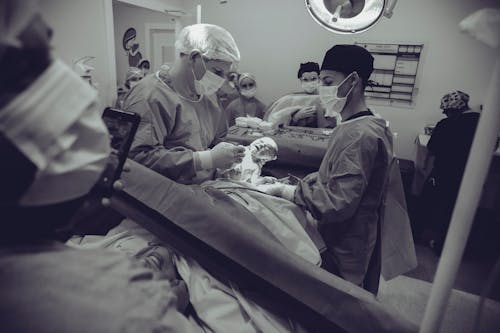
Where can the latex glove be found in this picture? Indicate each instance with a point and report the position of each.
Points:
(305, 112)
(225, 154)
(279, 190)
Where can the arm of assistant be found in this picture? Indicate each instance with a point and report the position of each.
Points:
(335, 195)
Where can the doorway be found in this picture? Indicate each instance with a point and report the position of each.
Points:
(160, 44)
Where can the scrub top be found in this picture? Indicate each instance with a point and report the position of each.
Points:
(172, 128)
(242, 107)
(345, 195)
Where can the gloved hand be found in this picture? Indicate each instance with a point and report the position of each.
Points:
(305, 112)
(225, 154)
(279, 190)
(265, 180)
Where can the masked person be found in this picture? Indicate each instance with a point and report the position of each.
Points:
(247, 104)
(345, 195)
(51, 160)
(181, 122)
(308, 75)
(132, 77)
(228, 92)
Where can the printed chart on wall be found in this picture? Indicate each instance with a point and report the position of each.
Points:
(394, 79)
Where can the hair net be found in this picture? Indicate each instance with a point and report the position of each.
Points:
(455, 100)
(308, 67)
(14, 17)
(246, 76)
(133, 72)
(211, 40)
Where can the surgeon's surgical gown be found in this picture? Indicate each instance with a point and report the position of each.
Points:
(345, 194)
(172, 128)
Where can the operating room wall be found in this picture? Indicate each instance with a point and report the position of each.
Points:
(275, 36)
(79, 30)
(126, 16)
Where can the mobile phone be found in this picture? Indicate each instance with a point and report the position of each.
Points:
(122, 127)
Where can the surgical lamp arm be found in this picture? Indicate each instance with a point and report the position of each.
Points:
(390, 8)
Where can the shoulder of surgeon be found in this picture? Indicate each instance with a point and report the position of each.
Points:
(369, 129)
(152, 90)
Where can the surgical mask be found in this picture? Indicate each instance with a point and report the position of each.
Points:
(209, 83)
(55, 123)
(331, 101)
(249, 93)
(309, 87)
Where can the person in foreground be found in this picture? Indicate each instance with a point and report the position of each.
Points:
(52, 159)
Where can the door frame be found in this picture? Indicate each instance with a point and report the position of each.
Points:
(154, 26)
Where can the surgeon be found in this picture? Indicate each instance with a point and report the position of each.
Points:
(247, 105)
(345, 195)
(181, 122)
(51, 159)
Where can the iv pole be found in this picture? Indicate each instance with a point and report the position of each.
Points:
(467, 201)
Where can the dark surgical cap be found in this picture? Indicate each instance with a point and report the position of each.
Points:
(347, 59)
(455, 100)
(308, 67)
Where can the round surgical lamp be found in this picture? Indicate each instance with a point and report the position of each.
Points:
(349, 16)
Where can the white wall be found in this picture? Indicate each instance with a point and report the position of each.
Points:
(79, 30)
(275, 36)
(126, 16)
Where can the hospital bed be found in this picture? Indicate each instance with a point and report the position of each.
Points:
(224, 238)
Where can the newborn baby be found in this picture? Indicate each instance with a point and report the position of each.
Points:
(258, 153)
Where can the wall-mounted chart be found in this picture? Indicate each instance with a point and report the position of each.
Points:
(394, 78)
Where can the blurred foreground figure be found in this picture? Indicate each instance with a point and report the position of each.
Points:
(51, 160)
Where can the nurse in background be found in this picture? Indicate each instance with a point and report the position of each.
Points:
(448, 148)
(132, 77)
(309, 77)
(144, 66)
(229, 90)
(247, 104)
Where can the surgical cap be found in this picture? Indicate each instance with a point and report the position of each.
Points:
(308, 67)
(347, 59)
(455, 100)
(143, 63)
(133, 73)
(246, 76)
(211, 40)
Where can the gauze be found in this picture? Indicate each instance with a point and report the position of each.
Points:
(56, 125)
